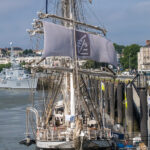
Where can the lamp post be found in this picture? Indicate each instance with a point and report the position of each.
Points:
(129, 62)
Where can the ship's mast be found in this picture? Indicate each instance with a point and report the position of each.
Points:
(46, 7)
(74, 78)
(66, 8)
(68, 13)
(75, 54)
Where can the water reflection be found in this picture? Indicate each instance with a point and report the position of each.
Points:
(13, 105)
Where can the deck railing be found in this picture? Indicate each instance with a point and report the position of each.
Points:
(62, 134)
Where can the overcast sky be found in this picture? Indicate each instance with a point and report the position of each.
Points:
(127, 21)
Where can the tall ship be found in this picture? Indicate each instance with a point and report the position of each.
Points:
(72, 116)
(16, 77)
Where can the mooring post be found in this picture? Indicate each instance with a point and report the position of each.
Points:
(129, 110)
(120, 103)
(112, 101)
(106, 98)
(144, 116)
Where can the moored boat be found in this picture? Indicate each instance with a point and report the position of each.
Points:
(16, 77)
(77, 121)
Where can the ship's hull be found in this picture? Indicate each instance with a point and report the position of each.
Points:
(51, 145)
(87, 145)
(37, 148)
(19, 84)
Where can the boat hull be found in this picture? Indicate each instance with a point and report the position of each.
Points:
(51, 145)
(37, 148)
(19, 84)
(110, 148)
(88, 145)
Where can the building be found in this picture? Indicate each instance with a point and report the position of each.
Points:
(16, 51)
(3, 52)
(48, 62)
(144, 57)
(6, 51)
(4, 60)
(38, 52)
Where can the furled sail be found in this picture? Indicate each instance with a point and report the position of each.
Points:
(58, 41)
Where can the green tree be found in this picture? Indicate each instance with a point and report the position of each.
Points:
(89, 64)
(119, 48)
(27, 51)
(22, 63)
(129, 59)
(93, 64)
(4, 66)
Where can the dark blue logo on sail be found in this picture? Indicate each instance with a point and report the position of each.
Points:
(83, 44)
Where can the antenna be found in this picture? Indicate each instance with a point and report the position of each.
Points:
(46, 7)
(12, 54)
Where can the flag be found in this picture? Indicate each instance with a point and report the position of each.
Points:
(58, 41)
(102, 86)
(125, 98)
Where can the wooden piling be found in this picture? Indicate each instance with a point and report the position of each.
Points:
(106, 98)
(120, 103)
(143, 123)
(129, 111)
(112, 100)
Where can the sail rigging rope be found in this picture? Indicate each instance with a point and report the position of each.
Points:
(94, 14)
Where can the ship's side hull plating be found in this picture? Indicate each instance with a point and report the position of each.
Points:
(19, 84)
(63, 145)
(52, 145)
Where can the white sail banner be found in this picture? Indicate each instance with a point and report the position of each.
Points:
(58, 41)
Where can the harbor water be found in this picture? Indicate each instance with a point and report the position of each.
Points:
(13, 105)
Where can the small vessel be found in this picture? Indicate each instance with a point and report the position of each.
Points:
(16, 77)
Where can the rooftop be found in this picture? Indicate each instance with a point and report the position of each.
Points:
(147, 45)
